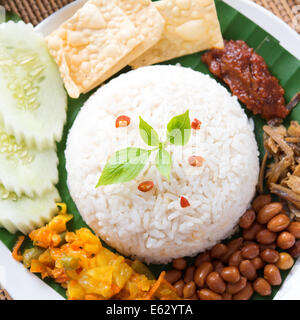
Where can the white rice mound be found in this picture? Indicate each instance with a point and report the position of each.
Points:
(152, 226)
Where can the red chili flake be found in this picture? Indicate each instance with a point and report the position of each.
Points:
(196, 161)
(196, 124)
(146, 186)
(184, 202)
(122, 122)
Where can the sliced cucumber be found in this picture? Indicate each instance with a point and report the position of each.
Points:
(25, 214)
(33, 101)
(25, 170)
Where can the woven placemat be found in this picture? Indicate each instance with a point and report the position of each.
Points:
(4, 295)
(35, 11)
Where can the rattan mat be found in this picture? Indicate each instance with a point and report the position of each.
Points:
(36, 11)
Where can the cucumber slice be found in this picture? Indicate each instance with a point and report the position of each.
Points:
(33, 101)
(25, 214)
(25, 170)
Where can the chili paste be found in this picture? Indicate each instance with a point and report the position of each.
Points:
(247, 75)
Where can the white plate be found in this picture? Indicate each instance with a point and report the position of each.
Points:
(19, 282)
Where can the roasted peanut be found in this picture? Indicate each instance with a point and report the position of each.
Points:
(265, 236)
(285, 240)
(246, 242)
(202, 257)
(244, 294)
(270, 255)
(231, 271)
(294, 229)
(235, 259)
(295, 250)
(231, 274)
(179, 285)
(218, 266)
(227, 296)
(258, 263)
(189, 289)
(278, 223)
(250, 234)
(248, 270)
(215, 282)
(263, 247)
(207, 294)
(179, 264)
(247, 219)
(285, 261)
(261, 201)
(232, 246)
(193, 297)
(272, 275)
(201, 273)
(267, 212)
(189, 274)
(173, 276)
(234, 288)
(262, 287)
(218, 251)
(250, 251)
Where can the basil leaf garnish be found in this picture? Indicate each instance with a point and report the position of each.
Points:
(126, 164)
(163, 162)
(123, 166)
(179, 129)
(148, 134)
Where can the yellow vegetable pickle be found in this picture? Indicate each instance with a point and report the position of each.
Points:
(88, 271)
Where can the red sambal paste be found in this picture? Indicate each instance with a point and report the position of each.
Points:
(247, 75)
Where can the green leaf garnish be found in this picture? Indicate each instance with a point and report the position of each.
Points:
(124, 166)
(179, 129)
(148, 134)
(163, 162)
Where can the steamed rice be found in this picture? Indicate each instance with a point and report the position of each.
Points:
(152, 226)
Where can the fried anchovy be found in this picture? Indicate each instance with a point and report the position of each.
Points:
(260, 184)
(292, 104)
(286, 194)
(275, 122)
(279, 139)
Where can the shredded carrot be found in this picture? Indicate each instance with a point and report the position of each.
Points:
(15, 252)
(168, 284)
(155, 286)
